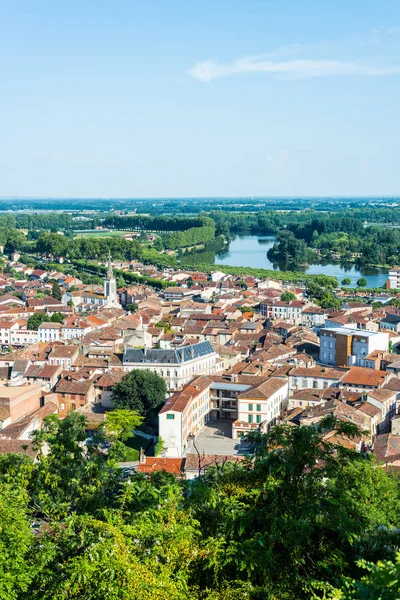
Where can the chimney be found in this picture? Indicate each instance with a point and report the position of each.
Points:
(142, 457)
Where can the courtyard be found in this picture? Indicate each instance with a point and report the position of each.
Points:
(216, 438)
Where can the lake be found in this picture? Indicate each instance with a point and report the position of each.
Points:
(251, 251)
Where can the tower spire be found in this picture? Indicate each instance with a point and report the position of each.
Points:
(109, 268)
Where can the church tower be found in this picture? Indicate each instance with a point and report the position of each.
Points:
(110, 287)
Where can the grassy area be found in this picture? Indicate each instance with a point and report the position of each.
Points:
(100, 233)
(138, 442)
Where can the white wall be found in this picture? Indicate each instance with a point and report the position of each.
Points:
(170, 430)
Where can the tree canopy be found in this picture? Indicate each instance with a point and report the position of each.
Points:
(139, 390)
(288, 296)
(303, 519)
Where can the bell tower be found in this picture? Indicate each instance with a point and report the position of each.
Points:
(110, 286)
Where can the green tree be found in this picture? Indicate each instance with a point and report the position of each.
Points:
(119, 424)
(381, 582)
(15, 543)
(246, 309)
(139, 391)
(362, 282)
(268, 509)
(57, 318)
(36, 319)
(288, 296)
(70, 476)
(346, 281)
(56, 291)
(376, 305)
(131, 307)
(329, 301)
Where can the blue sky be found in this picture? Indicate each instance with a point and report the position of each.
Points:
(199, 98)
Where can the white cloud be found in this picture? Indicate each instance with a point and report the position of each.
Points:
(209, 70)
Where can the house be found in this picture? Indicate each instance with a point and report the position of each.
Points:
(362, 379)
(73, 394)
(6, 328)
(387, 449)
(48, 303)
(177, 293)
(23, 337)
(385, 402)
(46, 376)
(64, 356)
(38, 274)
(104, 385)
(23, 428)
(314, 317)
(196, 466)
(391, 322)
(151, 464)
(313, 378)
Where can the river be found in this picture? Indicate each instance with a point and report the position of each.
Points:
(251, 251)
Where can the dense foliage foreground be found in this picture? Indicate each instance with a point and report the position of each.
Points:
(302, 520)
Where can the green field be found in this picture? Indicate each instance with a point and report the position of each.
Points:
(111, 233)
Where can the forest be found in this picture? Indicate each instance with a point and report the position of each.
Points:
(301, 519)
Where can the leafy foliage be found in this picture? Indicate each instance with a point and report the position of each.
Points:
(139, 390)
(304, 519)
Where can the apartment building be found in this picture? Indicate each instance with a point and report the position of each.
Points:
(342, 346)
(248, 403)
(49, 332)
(393, 280)
(184, 413)
(260, 406)
(290, 311)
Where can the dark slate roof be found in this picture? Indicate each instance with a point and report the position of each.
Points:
(155, 355)
(391, 319)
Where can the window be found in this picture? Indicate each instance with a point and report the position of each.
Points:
(73, 406)
(62, 405)
(250, 418)
(170, 416)
(258, 407)
(250, 407)
(258, 418)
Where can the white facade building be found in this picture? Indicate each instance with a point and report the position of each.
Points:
(393, 281)
(248, 408)
(342, 346)
(49, 332)
(177, 367)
